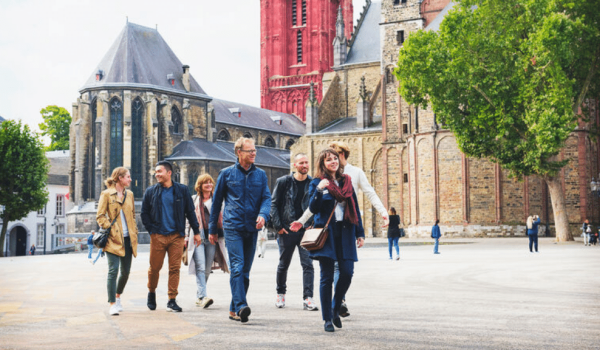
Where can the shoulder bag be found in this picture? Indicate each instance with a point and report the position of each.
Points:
(101, 237)
(314, 239)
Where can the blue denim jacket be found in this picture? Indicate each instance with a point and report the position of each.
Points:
(246, 195)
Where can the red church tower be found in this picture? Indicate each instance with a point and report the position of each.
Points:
(296, 48)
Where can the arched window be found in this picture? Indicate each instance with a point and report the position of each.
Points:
(176, 174)
(269, 142)
(248, 135)
(116, 134)
(193, 174)
(92, 151)
(177, 121)
(294, 13)
(137, 113)
(289, 144)
(299, 46)
(223, 135)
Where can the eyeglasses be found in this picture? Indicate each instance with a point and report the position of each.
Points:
(248, 150)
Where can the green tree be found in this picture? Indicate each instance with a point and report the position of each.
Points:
(511, 79)
(56, 125)
(23, 174)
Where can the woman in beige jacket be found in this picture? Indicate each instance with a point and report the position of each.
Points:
(117, 202)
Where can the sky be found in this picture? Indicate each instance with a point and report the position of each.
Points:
(48, 49)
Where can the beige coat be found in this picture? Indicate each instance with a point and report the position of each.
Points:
(109, 207)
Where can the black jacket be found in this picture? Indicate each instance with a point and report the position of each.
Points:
(282, 202)
(183, 206)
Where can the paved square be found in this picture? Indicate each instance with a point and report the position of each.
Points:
(477, 294)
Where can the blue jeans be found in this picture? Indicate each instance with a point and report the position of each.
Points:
(203, 256)
(241, 246)
(436, 245)
(393, 241)
(533, 241)
(90, 250)
(100, 253)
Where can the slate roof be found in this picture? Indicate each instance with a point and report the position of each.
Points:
(344, 125)
(221, 151)
(140, 55)
(60, 163)
(366, 47)
(259, 118)
(435, 24)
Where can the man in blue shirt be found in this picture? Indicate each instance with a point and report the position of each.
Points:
(436, 234)
(243, 187)
(164, 209)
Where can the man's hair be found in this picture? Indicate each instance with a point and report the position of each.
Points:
(321, 171)
(299, 155)
(240, 143)
(166, 164)
(437, 221)
(341, 147)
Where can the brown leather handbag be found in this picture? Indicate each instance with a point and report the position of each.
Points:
(314, 239)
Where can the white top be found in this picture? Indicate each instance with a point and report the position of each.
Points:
(124, 224)
(208, 204)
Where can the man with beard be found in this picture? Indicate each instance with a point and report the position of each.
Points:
(289, 200)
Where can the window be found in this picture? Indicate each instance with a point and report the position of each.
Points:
(396, 2)
(299, 46)
(269, 142)
(400, 37)
(116, 133)
(177, 122)
(294, 16)
(42, 211)
(303, 12)
(40, 235)
(405, 128)
(60, 229)
(389, 75)
(405, 177)
(223, 135)
(137, 110)
(289, 144)
(248, 135)
(91, 191)
(60, 205)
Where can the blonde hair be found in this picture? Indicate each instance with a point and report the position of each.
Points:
(240, 143)
(116, 174)
(202, 179)
(530, 222)
(341, 147)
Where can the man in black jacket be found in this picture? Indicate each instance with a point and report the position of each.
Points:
(289, 200)
(164, 209)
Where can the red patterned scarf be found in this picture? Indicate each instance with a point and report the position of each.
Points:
(344, 194)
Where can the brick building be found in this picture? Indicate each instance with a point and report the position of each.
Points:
(413, 163)
(141, 105)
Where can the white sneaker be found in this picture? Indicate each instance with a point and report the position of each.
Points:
(114, 310)
(310, 305)
(118, 305)
(280, 302)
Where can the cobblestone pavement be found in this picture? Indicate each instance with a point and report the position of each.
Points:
(477, 294)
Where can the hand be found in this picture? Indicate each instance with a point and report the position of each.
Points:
(282, 231)
(324, 183)
(260, 222)
(197, 240)
(360, 242)
(213, 238)
(386, 219)
(295, 226)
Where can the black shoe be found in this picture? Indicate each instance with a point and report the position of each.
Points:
(337, 322)
(329, 327)
(344, 310)
(173, 307)
(151, 301)
(244, 313)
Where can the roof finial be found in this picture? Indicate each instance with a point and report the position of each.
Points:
(311, 97)
(363, 89)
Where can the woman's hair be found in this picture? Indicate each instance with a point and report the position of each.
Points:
(202, 179)
(530, 222)
(392, 211)
(116, 174)
(321, 171)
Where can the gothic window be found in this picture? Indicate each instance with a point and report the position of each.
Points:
(294, 13)
(303, 12)
(223, 135)
(176, 176)
(299, 46)
(116, 134)
(91, 192)
(177, 122)
(405, 177)
(192, 177)
(248, 135)
(269, 142)
(137, 112)
(289, 144)
(389, 72)
(399, 37)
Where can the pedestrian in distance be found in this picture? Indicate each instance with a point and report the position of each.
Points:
(331, 193)
(165, 207)
(90, 242)
(532, 232)
(393, 233)
(244, 189)
(116, 202)
(436, 234)
(585, 232)
(32, 250)
(263, 237)
(289, 200)
(201, 256)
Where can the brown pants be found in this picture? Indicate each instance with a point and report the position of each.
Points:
(159, 245)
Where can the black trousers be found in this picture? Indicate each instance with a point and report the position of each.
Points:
(533, 240)
(287, 245)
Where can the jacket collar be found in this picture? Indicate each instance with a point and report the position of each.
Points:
(239, 166)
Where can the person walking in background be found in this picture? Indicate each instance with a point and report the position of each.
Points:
(165, 207)
(32, 250)
(584, 232)
(244, 189)
(436, 234)
(263, 237)
(393, 233)
(90, 244)
(116, 202)
(332, 195)
(532, 231)
(290, 199)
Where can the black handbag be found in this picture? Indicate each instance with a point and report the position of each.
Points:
(101, 237)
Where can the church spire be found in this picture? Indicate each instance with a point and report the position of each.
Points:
(340, 43)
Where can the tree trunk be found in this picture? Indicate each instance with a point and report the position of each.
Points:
(3, 234)
(559, 208)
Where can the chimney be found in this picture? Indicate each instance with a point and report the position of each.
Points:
(186, 77)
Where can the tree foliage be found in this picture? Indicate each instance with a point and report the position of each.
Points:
(508, 78)
(23, 174)
(56, 125)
